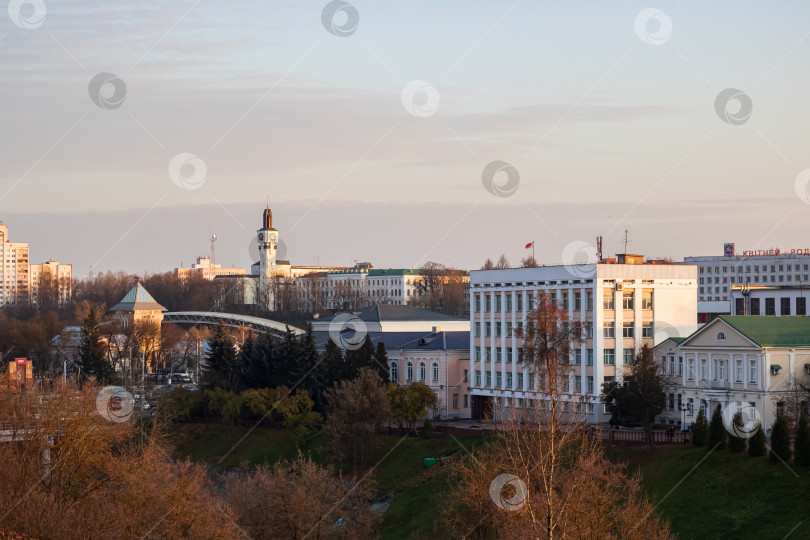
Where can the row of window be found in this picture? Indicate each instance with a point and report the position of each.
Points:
(608, 329)
(422, 372)
(608, 356)
(576, 300)
(673, 366)
(756, 267)
(755, 279)
(785, 304)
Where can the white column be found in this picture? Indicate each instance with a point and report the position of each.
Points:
(792, 365)
(766, 364)
(618, 332)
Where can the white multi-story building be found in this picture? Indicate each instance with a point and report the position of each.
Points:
(622, 305)
(717, 274)
(206, 268)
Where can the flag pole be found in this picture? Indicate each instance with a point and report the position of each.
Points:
(535, 260)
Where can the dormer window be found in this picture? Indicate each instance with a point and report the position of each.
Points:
(721, 336)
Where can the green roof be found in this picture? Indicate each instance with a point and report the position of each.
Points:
(138, 299)
(394, 272)
(772, 331)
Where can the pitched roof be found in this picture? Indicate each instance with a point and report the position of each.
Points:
(392, 312)
(772, 331)
(444, 340)
(138, 299)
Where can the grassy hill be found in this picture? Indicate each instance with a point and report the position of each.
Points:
(717, 495)
(724, 495)
(415, 493)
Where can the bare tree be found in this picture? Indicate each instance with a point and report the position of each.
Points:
(299, 500)
(528, 262)
(503, 263)
(488, 265)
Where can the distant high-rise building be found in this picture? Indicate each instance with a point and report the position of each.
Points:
(14, 284)
(49, 284)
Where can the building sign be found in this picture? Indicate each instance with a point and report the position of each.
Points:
(729, 251)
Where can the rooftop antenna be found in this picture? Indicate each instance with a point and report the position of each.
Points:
(626, 242)
(213, 248)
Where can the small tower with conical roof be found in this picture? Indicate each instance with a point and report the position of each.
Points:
(138, 305)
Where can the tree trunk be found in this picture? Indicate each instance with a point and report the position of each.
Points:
(648, 430)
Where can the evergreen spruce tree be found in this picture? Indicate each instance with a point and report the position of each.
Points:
(735, 443)
(700, 431)
(717, 430)
(756, 444)
(220, 371)
(381, 362)
(334, 366)
(244, 361)
(289, 359)
(93, 360)
(802, 444)
(780, 440)
(310, 371)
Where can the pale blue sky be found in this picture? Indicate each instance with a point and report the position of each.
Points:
(608, 132)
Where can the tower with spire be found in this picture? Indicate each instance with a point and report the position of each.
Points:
(268, 247)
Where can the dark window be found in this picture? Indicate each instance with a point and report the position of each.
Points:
(739, 306)
(770, 306)
(785, 307)
(754, 306)
(801, 306)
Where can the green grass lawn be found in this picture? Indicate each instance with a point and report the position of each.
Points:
(724, 496)
(257, 447)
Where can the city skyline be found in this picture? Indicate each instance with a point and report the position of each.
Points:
(621, 132)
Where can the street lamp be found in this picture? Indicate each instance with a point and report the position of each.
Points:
(683, 408)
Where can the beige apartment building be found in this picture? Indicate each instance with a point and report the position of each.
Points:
(623, 305)
(51, 278)
(15, 284)
(748, 362)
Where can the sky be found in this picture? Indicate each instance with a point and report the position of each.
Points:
(132, 131)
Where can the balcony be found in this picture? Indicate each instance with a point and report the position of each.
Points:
(718, 384)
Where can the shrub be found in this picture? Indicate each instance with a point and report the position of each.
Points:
(700, 431)
(756, 444)
(737, 444)
(802, 445)
(717, 431)
(780, 440)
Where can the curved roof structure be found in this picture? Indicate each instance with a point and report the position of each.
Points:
(229, 319)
